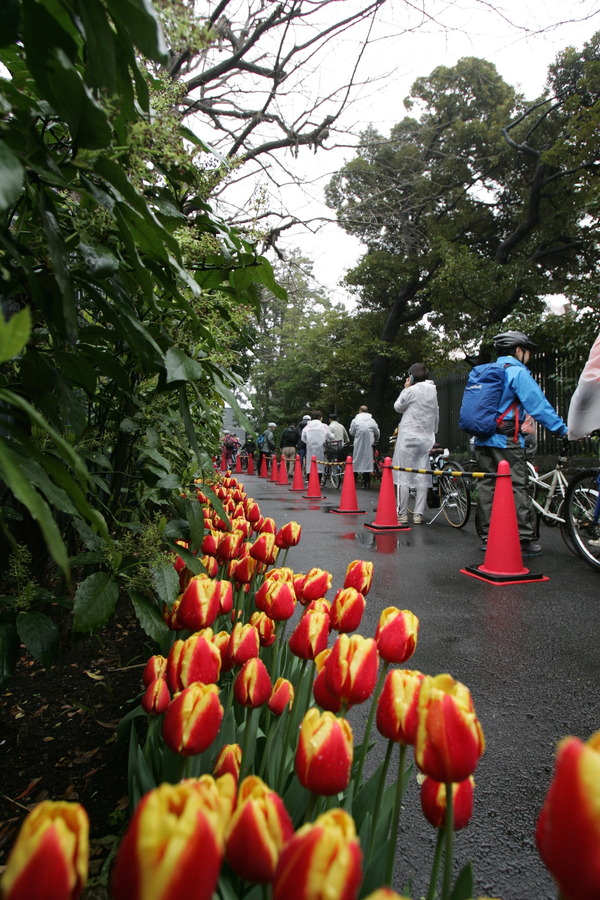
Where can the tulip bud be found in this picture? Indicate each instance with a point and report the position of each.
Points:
(282, 695)
(359, 575)
(322, 860)
(347, 610)
(268, 526)
(259, 828)
(263, 549)
(397, 707)
(433, 802)
(288, 536)
(325, 752)
(252, 510)
(449, 738)
(156, 667)
(351, 669)
(209, 544)
(276, 598)
(192, 719)
(244, 644)
(386, 893)
(195, 659)
(156, 697)
(396, 634)
(211, 565)
(252, 686)
(265, 627)
(320, 605)
(568, 828)
(229, 546)
(199, 604)
(310, 636)
(173, 827)
(49, 859)
(316, 584)
(244, 569)
(229, 760)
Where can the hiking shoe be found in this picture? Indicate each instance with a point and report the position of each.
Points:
(594, 543)
(483, 544)
(403, 519)
(530, 548)
(417, 520)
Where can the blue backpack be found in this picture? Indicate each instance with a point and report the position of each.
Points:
(481, 401)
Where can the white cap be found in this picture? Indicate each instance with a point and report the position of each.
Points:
(272, 425)
(305, 418)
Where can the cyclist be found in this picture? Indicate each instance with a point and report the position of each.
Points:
(521, 395)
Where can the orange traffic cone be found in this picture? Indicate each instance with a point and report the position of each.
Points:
(348, 500)
(314, 486)
(250, 464)
(274, 469)
(298, 480)
(264, 472)
(503, 563)
(223, 462)
(386, 517)
(283, 473)
(238, 465)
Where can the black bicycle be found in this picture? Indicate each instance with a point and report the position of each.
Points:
(449, 492)
(581, 509)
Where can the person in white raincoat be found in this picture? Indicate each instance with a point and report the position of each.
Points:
(584, 408)
(314, 435)
(418, 405)
(365, 431)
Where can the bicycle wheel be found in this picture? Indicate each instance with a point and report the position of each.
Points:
(335, 474)
(564, 531)
(454, 496)
(582, 505)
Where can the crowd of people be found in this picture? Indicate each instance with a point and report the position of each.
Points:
(521, 407)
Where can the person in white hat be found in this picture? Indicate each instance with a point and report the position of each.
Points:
(301, 444)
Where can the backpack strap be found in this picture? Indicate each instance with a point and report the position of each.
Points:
(513, 406)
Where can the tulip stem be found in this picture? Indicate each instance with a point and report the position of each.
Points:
(365, 745)
(246, 741)
(435, 869)
(380, 789)
(396, 815)
(449, 834)
(311, 807)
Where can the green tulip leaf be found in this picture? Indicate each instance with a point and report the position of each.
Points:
(95, 602)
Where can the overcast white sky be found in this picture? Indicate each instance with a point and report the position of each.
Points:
(522, 37)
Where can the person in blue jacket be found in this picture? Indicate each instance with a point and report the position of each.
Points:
(521, 395)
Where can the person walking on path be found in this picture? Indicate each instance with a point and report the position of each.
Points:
(288, 444)
(418, 406)
(521, 395)
(314, 436)
(584, 408)
(268, 445)
(338, 429)
(301, 445)
(365, 431)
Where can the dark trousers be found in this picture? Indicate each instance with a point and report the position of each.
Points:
(488, 459)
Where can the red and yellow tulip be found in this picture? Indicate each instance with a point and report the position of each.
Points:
(310, 635)
(433, 802)
(252, 686)
(195, 659)
(397, 707)
(396, 634)
(325, 752)
(257, 831)
(192, 719)
(449, 741)
(351, 668)
(347, 610)
(359, 575)
(321, 861)
(49, 860)
(568, 828)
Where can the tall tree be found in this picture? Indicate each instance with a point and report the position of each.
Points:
(465, 216)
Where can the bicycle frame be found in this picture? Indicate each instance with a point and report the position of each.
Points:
(553, 483)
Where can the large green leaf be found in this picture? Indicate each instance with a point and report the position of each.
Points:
(11, 177)
(12, 474)
(95, 602)
(40, 636)
(141, 21)
(181, 367)
(149, 617)
(9, 651)
(14, 334)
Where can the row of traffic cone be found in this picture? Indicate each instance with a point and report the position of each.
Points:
(503, 563)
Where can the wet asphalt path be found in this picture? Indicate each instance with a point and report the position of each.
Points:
(529, 653)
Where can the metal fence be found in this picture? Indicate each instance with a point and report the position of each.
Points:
(556, 375)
